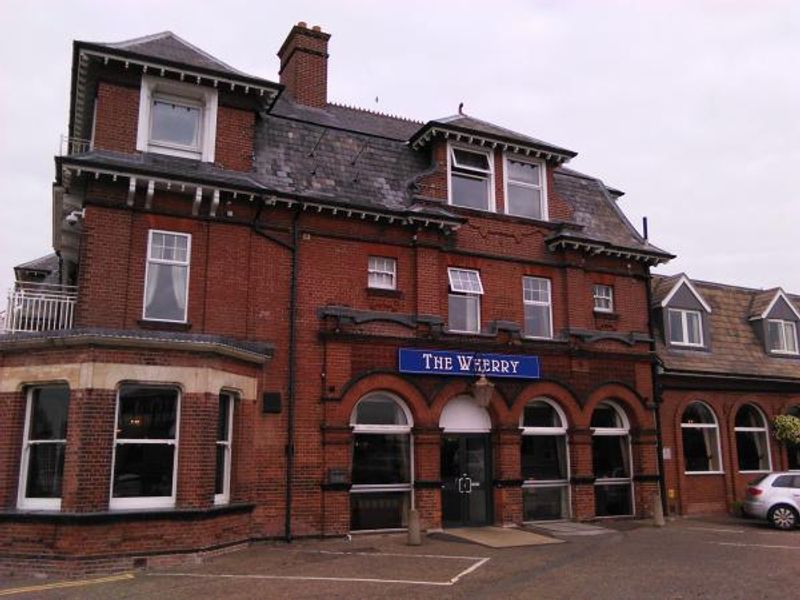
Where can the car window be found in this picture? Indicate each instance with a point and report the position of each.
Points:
(758, 480)
(784, 481)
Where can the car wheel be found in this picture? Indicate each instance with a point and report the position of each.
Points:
(783, 517)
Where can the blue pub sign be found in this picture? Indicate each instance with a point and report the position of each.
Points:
(467, 363)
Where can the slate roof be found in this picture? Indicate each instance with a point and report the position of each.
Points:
(761, 302)
(468, 124)
(43, 264)
(170, 49)
(734, 349)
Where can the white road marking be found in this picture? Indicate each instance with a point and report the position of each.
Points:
(716, 530)
(479, 561)
(742, 545)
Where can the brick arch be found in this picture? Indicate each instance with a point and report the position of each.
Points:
(498, 409)
(733, 409)
(793, 401)
(628, 399)
(548, 389)
(383, 382)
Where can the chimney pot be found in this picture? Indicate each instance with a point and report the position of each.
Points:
(304, 64)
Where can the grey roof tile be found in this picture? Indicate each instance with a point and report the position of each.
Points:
(735, 348)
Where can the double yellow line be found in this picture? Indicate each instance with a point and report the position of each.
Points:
(65, 584)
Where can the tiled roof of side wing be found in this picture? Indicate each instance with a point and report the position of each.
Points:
(45, 264)
(734, 348)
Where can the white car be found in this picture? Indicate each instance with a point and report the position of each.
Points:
(776, 498)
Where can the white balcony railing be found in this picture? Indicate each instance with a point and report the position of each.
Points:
(40, 307)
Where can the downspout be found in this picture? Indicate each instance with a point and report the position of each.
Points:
(655, 377)
(290, 400)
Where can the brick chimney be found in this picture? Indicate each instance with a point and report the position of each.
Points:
(304, 64)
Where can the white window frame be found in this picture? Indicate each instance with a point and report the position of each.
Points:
(187, 263)
(225, 496)
(542, 187)
(188, 94)
(145, 502)
(757, 430)
(625, 431)
(456, 290)
(551, 431)
(715, 426)
(597, 294)
(23, 502)
(784, 326)
(683, 316)
(549, 305)
(378, 265)
(491, 201)
(386, 430)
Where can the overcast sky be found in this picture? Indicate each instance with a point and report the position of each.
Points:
(691, 108)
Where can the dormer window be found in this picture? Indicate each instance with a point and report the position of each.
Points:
(525, 194)
(177, 118)
(685, 327)
(782, 336)
(471, 179)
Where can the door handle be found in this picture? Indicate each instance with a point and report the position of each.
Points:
(468, 485)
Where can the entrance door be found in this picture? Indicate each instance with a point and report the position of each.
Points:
(466, 494)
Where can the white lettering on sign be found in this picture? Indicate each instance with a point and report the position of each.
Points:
(464, 362)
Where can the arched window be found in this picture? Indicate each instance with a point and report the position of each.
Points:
(611, 456)
(545, 461)
(700, 433)
(752, 440)
(382, 464)
(793, 450)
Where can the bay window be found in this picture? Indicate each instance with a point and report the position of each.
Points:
(44, 444)
(145, 447)
(222, 472)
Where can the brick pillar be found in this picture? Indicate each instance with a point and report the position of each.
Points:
(197, 450)
(507, 475)
(582, 473)
(87, 460)
(337, 442)
(12, 405)
(645, 471)
(428, 476)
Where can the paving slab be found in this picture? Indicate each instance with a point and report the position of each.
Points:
(570, 528)
(500, 537)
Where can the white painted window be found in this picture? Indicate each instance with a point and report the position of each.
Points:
(545, 461)
(700, 434)
(782, 336)
(177, 118)
(536, 299)
(382, 467)
(471, 178)
(224, 448)
(685, 327)
(752, 440)
(525, 188)
(144, 470)
(603, 298)
(166, 286)
(44, 444)
(382, 273)
(464, 300)
(611, 458)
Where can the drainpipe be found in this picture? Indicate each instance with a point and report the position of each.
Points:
(292, 367)
(655, 368)
(294, 248)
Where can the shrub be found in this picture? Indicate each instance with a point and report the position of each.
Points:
(786, 429)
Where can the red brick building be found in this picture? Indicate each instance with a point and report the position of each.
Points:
(729, 364)
(213, 356)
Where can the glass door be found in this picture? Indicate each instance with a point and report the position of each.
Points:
(466, 498)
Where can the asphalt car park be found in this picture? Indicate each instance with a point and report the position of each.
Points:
(689, 558)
